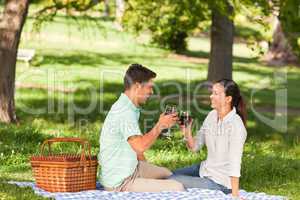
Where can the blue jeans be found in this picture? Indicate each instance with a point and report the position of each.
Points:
(189, 177)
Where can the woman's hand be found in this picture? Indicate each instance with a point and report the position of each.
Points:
(185, 130)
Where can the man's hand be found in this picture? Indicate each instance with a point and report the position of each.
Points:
(167, 121)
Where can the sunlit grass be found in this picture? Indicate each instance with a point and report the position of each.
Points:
(69, 62)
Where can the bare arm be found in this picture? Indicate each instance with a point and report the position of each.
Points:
(190, 141)
(237, 139)
(235, 186)
(193, 143)
(140, 143)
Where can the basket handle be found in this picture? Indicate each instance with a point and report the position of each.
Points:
(83, 143)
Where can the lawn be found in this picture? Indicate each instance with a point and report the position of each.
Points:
(76, 76)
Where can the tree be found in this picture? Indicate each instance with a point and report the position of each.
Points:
(170, 22)
(221, 39)
(106, 12)
(289, 17)
(11, 25)
(120, 8)
(280, 51)
(284, 47)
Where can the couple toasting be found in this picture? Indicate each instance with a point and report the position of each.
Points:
(122, 144)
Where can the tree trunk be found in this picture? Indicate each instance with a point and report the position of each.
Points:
(280, 52)
(220, 60)
(11, 24)
(106, 12)
(120, 9)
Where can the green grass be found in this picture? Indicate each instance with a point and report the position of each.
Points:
(70, 62)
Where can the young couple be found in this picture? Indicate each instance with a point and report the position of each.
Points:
(122, 144)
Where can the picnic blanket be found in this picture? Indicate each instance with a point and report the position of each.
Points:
(190, 194)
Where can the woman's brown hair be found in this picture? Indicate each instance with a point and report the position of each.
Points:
(233, 90)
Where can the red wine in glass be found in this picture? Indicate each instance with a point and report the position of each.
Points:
(169, 110)
(184, 118)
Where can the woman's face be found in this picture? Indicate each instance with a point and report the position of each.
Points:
(218, 98)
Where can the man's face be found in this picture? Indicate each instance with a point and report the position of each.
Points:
(144, 91)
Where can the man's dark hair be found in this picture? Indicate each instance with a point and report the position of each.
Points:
(137, 73)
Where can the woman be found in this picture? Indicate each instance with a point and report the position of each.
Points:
(224, 134)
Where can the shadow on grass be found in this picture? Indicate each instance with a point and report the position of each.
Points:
(205, 54)
(17, 144)
(90, 59)
(272, 174)
(62, 110)
(10, 192)
(263, 170)
(246, 32)
(20, 139)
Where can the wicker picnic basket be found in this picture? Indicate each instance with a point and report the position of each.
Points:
(65, 172)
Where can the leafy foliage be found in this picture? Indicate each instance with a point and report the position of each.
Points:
(72, 8)
(170, 22)
(290, 22)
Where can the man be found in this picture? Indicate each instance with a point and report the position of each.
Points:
(122, 145)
